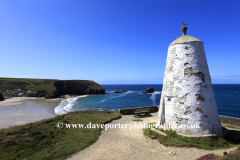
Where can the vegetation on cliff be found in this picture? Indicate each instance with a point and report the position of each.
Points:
(51, 88)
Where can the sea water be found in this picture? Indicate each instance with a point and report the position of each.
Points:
(227, 97)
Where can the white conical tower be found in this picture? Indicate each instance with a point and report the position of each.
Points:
(187, 93)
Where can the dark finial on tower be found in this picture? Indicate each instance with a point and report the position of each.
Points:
(184, 28)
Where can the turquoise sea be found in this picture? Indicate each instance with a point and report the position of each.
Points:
(227, 97)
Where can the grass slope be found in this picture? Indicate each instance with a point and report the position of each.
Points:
(174, 140)
(43, 87)
(46, 88)
(43, 140)
(18, 83)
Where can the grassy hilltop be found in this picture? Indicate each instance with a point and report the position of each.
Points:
(51, 87)
(43, 140)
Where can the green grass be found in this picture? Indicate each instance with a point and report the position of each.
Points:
(233, 127)
(16, 83)
(43, 140)
(230, 126)
(5, 95)
(46, 87)
(174, 140)
(42, 86)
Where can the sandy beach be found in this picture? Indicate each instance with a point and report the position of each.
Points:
(22, 110)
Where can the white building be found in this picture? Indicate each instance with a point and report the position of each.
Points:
(187, 93)
(21, 94)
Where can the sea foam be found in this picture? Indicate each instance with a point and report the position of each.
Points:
(114, 96)
(66, 105)
(153, 97)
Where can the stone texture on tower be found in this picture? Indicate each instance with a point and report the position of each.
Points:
(187, 93)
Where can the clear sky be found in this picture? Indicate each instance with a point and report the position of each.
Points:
(114, 41)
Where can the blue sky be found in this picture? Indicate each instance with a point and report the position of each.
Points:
(114, 41)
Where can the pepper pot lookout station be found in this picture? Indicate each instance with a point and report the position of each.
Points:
(187, 94)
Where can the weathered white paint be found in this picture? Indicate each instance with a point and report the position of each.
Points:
(187, 82)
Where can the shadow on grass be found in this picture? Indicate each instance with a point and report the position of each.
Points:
(142, 116)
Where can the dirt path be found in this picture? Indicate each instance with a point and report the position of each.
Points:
(122, 143)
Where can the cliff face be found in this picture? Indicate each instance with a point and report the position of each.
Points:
(1, 97)
(54, 89)
(78, 87)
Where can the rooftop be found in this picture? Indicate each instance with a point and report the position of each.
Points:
(184, 39)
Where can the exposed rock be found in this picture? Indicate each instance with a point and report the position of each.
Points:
(149, 90)
(1, 97)
(172, 153)
(118, 92)
(77, 87)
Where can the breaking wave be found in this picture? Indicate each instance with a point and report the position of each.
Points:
(153, 97)
(119, 95)
(66, 105)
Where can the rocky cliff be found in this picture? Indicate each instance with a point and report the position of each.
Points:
(1, 97)
(149, 90)
(53, 89)
(78, 87)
